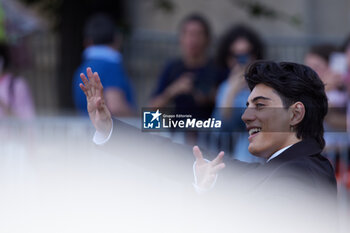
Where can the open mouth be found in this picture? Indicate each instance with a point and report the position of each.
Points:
(253, 131)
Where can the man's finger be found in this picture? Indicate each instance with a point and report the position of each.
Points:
(97, 79)
(218, 158)
(91, 80)
(83, 88)
(197, 153)
(93, 83)
(217, 168)
(89, 73)
(87, 85)
(84, 79)
(98, 84)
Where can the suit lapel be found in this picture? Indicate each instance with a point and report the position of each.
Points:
(304, 148)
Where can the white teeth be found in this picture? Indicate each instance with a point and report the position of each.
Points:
(254, 130)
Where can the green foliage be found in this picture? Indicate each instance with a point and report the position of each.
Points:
(48, 6)
(165, 5)
(258, 9)
(254, 8)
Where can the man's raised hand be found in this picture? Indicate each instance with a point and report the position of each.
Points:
(206, 171)
(99, 114)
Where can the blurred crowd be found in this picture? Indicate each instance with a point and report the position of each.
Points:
(205, 84)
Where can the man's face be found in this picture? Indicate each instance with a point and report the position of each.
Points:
(267, 121)
(318, 64)
(193, 39)
(239, 47)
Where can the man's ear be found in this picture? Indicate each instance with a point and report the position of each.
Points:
(297, 113)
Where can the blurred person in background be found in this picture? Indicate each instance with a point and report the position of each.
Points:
(319, 59)
(102, 41)
(346, 77)
(190, 81)
(346, 50)
(238, 47)
(15, 97)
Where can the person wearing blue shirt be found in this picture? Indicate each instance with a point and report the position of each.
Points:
(101, 54)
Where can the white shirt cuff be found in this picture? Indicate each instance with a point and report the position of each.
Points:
(100, 139)
(198, 189)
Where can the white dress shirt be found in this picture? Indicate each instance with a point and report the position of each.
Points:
(100, 139)
(277, 153)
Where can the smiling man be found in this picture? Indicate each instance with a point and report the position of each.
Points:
(269, 123)
(295, 190)
(284, 118)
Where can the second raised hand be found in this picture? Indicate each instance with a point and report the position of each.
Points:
(206, 172)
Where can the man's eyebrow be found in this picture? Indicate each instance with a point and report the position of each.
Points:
(258, 98)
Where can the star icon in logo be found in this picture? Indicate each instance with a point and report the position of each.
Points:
(156, 115)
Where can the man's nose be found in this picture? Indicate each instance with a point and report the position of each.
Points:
(248, 115)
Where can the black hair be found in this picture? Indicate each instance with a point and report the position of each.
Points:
(195, 17)
(234, 33)
(100, 28)
(294, 82)
(323, 50)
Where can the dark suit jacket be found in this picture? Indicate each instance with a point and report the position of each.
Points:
(298, 172)
(296, 178)
(296, 188)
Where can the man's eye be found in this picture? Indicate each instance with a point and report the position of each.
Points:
(259, 106)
